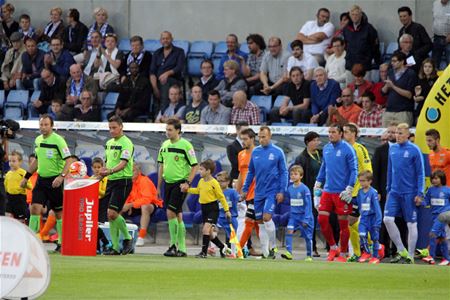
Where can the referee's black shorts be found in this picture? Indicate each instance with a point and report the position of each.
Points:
(117, 192)
(174, 197)
(46, 195)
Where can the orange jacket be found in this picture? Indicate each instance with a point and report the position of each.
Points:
(143, 192)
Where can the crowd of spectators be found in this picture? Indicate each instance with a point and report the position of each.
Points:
(64, 58)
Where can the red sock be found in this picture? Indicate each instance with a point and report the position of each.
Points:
(344, 235)
(324, 222)
(142, 232)
(246, 233)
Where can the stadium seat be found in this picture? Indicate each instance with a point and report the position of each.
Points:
(31, 114)
(154, 178)
(13, 111)
(183, 44)
(281, 124)
(152, 45)
(124, 45)
(219, 51)
(279, 100)
(263, 102)
(391, 48)
(2, 100)
(244, 48)
(18, 96)
(88, 162)
(111, 99)
(203, 48)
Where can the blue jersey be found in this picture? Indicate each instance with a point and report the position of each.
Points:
(300, 199)
(232, 199)
(406, 171)
(438, 198)
(369, 205)
(339, 167)
(268, 166)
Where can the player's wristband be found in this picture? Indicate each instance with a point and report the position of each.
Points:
(28, 175)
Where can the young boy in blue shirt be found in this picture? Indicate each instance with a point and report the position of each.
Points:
(370, 220)
(232, 197)
(300, 217)
(438, 196)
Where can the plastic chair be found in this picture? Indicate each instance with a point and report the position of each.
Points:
(183, 44)
(152, 45)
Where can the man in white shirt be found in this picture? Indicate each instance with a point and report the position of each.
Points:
(441, 31)
(301, 59)
(335, 65)
(316, 35)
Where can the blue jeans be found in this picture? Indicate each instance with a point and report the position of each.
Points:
(439, 47)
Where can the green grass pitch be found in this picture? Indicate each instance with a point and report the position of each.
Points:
(157, 277)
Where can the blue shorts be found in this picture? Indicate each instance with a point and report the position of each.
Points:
(369, 224)
(296, 223)
(401, 205)
(438, 228)
(265, 205)
(223, 223)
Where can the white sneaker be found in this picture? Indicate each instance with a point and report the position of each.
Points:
(140, 242)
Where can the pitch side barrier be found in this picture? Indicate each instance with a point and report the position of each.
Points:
(187, 128)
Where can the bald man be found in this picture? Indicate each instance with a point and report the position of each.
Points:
(166, 69)
(244, 110)
(77, 83)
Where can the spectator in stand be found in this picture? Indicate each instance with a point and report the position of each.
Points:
(412, 60)
(100, 24)
(134, 95)
(362, 41)
(208, 81)
(25, 27)
(52, 87)
(138, 55)
(77, 83)
(427, 78)
(399, 88)
(53, 28)
(441, 31)
(12, 63)
(92, 55)
(86, 111)
(244, 110)
(166, 69)
(109, 63)
(343, 22)
(75, 34)
(359, 85)
(193, 111)
(422, 44)
(316, 35)
(302, 59)
(55, 110)
(348, 112)
(311, 159)
(142, 201)
(174, 109)
(335, 63)
(32, 65)
(324, 92)
(232, 82)
(58, 59)
(257, 48)
(370, 116)
(233, 53)
(234, 148)
(215, 113)
(381, 98)
(296, 102)
(9, 25)
(273, 68)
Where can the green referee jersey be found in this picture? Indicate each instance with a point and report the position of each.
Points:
(51, 153)
(117, 150)
(177, 159)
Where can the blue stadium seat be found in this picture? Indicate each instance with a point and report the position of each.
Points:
(244, 48)
(111, 99)
(220, 49)
(105, 112)
(152, 45)
(2, 100)
(193, 65)
(183, 44)
(18, 96)
(154, 178)
(203, 48)
(88, 162)
(391, 48)
(14, 111)
(281, 124)
(31, 114)
(218, 167)
(124, 45)
(279, 100)
(263, 102)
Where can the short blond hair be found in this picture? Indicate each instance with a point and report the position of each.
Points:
(297, 168)
(98, 10)
(57, 9)
(356, 8)
(403, 126)
(231, 64)
(9, 7)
